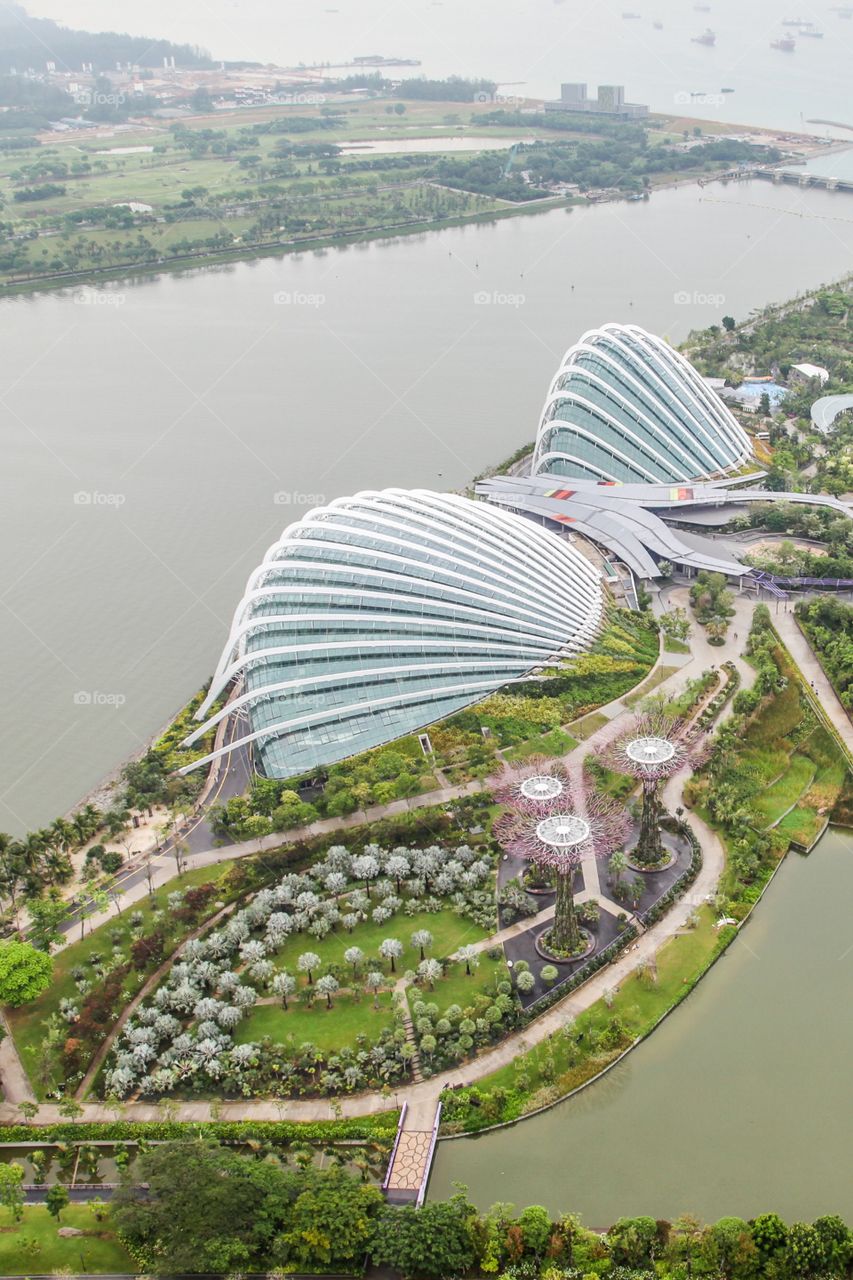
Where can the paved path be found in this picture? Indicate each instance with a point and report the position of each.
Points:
(803, 654)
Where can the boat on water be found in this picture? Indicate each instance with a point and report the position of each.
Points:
(632, 15)
(727, 91)
(787, 44)
(812, 32)
(707, 37)
(702, 8)
(796, 22)
(658, 26)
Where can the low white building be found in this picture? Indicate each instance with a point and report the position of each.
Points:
(806, 372)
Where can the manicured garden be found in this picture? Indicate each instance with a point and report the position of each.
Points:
(33, 1245)
(324, 944)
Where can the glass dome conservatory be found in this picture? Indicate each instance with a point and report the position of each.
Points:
(382, 613)
(626, 407)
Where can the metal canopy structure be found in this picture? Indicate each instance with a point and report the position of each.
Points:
(631, 521)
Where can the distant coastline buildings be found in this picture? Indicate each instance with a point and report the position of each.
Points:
(610, 102)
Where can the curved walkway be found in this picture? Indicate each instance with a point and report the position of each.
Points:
(422, 1097)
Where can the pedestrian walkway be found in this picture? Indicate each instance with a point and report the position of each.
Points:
(411, 1160)
(801, 651)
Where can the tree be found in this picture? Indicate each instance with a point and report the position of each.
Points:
(435, 1241)
(206, 1208)
(307, 963)
(24, 973)
(422, 940)
(728, 323)
(330, 1225)
(374, 982)
(471, 957)
(632, 1241)
(284, 985)
(430, 971)
(327, 986)
(535, 1225)
(46, 915)
(70, 1109)
(29, 1110)
(391, 949)
(804, 1254)
(617, 866)
(12, 1190)
(56, 1199)
(769, 1235)
(354, 956)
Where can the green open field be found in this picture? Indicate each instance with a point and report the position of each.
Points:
(33, 1246)
(555, 743)
(588, 725)
(458, 987)
(329, 1029)
(449, 932)
(656, 678)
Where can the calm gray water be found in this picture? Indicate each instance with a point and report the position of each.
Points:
(532, 45)
(738, 1104)
(181, 406)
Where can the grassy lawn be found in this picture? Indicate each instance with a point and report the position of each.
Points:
(588, 725)
(555, 743)
(458, 987)
(26, 1023)
(785, 791)
(449, 932)
(656, 678)
(801, 825)
(671, 645)
(32, 1245)
(328, 1029)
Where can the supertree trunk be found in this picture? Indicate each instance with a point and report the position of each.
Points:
(649, 849)
(565, 934)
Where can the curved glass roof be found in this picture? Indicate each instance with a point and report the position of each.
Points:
(384, 612)
(627, 407)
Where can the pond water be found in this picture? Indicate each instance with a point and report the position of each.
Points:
(739, 1103)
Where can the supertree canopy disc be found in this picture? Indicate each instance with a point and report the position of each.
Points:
(542, 787)
(533, 789)
(650, 751)
(563, 831)
(653, 746)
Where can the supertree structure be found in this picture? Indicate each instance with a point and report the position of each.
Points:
(533, 789)
(558, 834)
(653, 747)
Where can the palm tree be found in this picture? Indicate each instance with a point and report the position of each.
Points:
(422, 939)
(470, 955)
(327, 986)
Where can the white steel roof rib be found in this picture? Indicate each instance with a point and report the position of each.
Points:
(334, 639)
(673, 427)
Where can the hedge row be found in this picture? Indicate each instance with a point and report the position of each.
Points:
(381, 1127)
